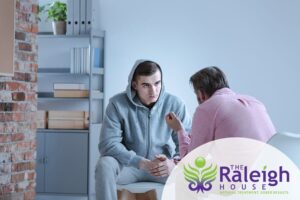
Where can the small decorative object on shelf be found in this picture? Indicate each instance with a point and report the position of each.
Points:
(57, 11)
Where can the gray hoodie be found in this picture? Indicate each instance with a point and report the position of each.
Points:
(131, 131)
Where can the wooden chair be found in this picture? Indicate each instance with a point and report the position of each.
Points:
(140, 191)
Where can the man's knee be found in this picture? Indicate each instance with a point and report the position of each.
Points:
(107, 165)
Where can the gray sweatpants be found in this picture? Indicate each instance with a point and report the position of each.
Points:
(109, 173)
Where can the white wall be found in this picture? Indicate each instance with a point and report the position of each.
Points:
(256, 43)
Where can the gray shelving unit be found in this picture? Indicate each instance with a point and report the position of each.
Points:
(66, 159)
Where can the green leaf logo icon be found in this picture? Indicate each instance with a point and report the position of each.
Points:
(200, 176)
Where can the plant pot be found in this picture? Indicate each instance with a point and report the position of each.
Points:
(59, 27)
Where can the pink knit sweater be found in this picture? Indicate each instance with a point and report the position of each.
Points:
(227, 114)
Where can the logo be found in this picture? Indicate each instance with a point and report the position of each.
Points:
(231, 169)
(200, 176)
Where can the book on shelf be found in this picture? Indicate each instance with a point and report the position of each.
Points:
(68, 119)
(41, 119)
(71, 93)
(79, 17)
(67, 124)
(80, 60)
(67, 114)
(69, 86)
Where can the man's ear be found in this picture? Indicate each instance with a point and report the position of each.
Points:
(203, 95)
(134, 85)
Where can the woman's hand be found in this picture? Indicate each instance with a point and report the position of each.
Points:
(173, 122)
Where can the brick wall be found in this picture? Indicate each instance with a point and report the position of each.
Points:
(18, 105)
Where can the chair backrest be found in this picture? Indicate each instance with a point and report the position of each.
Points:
(289, 144)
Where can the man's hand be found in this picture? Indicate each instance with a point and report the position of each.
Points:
(173, 122)
(162, 166)
(146, 165)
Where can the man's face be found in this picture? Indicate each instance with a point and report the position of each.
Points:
(148, 88)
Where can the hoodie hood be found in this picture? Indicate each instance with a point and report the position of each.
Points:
(131, 93)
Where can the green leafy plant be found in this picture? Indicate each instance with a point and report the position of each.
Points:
(57, 11)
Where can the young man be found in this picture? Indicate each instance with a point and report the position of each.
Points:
(135, 142)
(221, 113)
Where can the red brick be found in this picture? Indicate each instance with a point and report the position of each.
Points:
(2, 86)
(18, 96)
(15, 86)
(18, 117)
(12, 86)
(35, 9)
(17, 5)
(34, 28)
(17, 127)
(15, 178)
(23, 146)
(33, 145)
(33, 126)
(34, 67)
(4, 138)
(6, 117)
(31, 97)
(20, 36)
(6, 107)
(29, 195)
(6, 189)
(31, 185)
(28, 77)
(19, 76)
(30, 176)
(18, 167)
(4, 148)
(23, 156)
(17, 137)
(19, 107)
(25, 46)
(23, 17)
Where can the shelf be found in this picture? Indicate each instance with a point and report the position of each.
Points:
(99, 34)
(50, 96)
(41, 130)
(50, 35)
(66, 71)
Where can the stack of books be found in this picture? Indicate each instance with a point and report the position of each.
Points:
(58, 119)
(70, 90)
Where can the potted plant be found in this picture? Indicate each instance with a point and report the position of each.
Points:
(57, 12)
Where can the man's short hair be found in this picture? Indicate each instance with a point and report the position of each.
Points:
(209, 80)
(146, 68)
